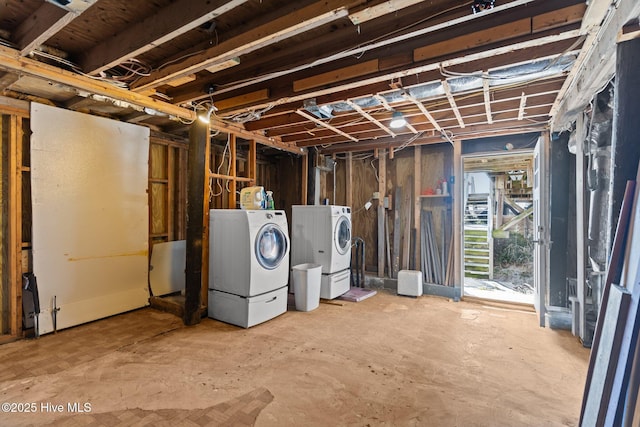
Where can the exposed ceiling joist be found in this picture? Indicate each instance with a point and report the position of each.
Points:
(424, 111)
(326, 125)
(370, 118)
(523, 104)
(595, 65)
(44, 23)
(175, 19)
(277, 30)
(487, 99)
(496, 57)
(373, 12)
(405, 37)
(11, 60)
(452, 102)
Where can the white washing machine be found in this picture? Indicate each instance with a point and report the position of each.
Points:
(321, 234)
(248, 265)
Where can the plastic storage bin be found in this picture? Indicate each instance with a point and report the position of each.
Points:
(306, 286)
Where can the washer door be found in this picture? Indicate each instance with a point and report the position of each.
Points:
(271, 246)
(342, 236)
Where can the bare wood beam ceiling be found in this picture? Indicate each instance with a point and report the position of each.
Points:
(328, 74)
(174, 20)
(287, 26)
(45, 22)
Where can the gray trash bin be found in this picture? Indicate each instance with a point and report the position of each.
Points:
(306, 286)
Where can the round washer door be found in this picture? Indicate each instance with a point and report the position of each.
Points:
(343, 235)
(271, 246)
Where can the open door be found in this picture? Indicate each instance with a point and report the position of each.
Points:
(540, 225)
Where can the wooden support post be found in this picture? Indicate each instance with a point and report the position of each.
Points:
(181, 215)
(305, 179)
(407, 211)
(253, 162)
(15, 225)
(171, 202)
(382, 173)
(198, 141)
(204, 291)
(349, 179)
(417, 202)
(232, 171)
(397, 201)
(457, 192)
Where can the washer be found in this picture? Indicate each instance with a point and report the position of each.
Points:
(321, 234)
(248, 265)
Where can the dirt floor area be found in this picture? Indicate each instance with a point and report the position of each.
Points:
(387, 360)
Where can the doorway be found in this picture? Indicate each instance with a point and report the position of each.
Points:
(498, 227)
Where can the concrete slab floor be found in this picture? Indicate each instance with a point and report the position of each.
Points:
(387, 360)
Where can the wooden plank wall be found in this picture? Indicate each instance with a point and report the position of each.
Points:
(436, 163)
(364, 222)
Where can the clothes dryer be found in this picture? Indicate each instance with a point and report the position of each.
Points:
(321, 234)
(248, 265)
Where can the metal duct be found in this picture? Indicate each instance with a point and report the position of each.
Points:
(599, 178)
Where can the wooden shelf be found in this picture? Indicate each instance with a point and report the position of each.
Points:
(434, 196)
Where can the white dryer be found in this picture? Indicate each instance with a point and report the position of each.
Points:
(321, 234)
(248, 265)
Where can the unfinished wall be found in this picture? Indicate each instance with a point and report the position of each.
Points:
(435, 163)
(167, 188)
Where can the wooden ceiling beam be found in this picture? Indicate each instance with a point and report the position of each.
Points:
(452, 102)
(44, 23)
(11, 60)
(427, 32)
(510, 127)
(369, 117)
(487, 99)
(523, 104)
(596, 63)
(325, 124)
(532, 48)
(312, 16)
(167, 23)
(424, 111)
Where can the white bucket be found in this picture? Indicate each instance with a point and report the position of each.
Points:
(306, 285)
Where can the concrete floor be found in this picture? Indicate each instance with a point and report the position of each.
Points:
(388, 360)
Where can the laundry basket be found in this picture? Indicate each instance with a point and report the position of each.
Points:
(306, 286)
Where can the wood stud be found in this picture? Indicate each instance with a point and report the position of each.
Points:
(452, 102)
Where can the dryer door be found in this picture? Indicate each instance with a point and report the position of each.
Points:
(342, 238)
(271, 246)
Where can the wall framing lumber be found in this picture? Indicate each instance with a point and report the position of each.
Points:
(267, 34)
(349, 180)
(457, 192)
(417, 202)
(198, 141)
(15, 226)
(11, 60)
(382, 186)
(170, 22)
(595, 65)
